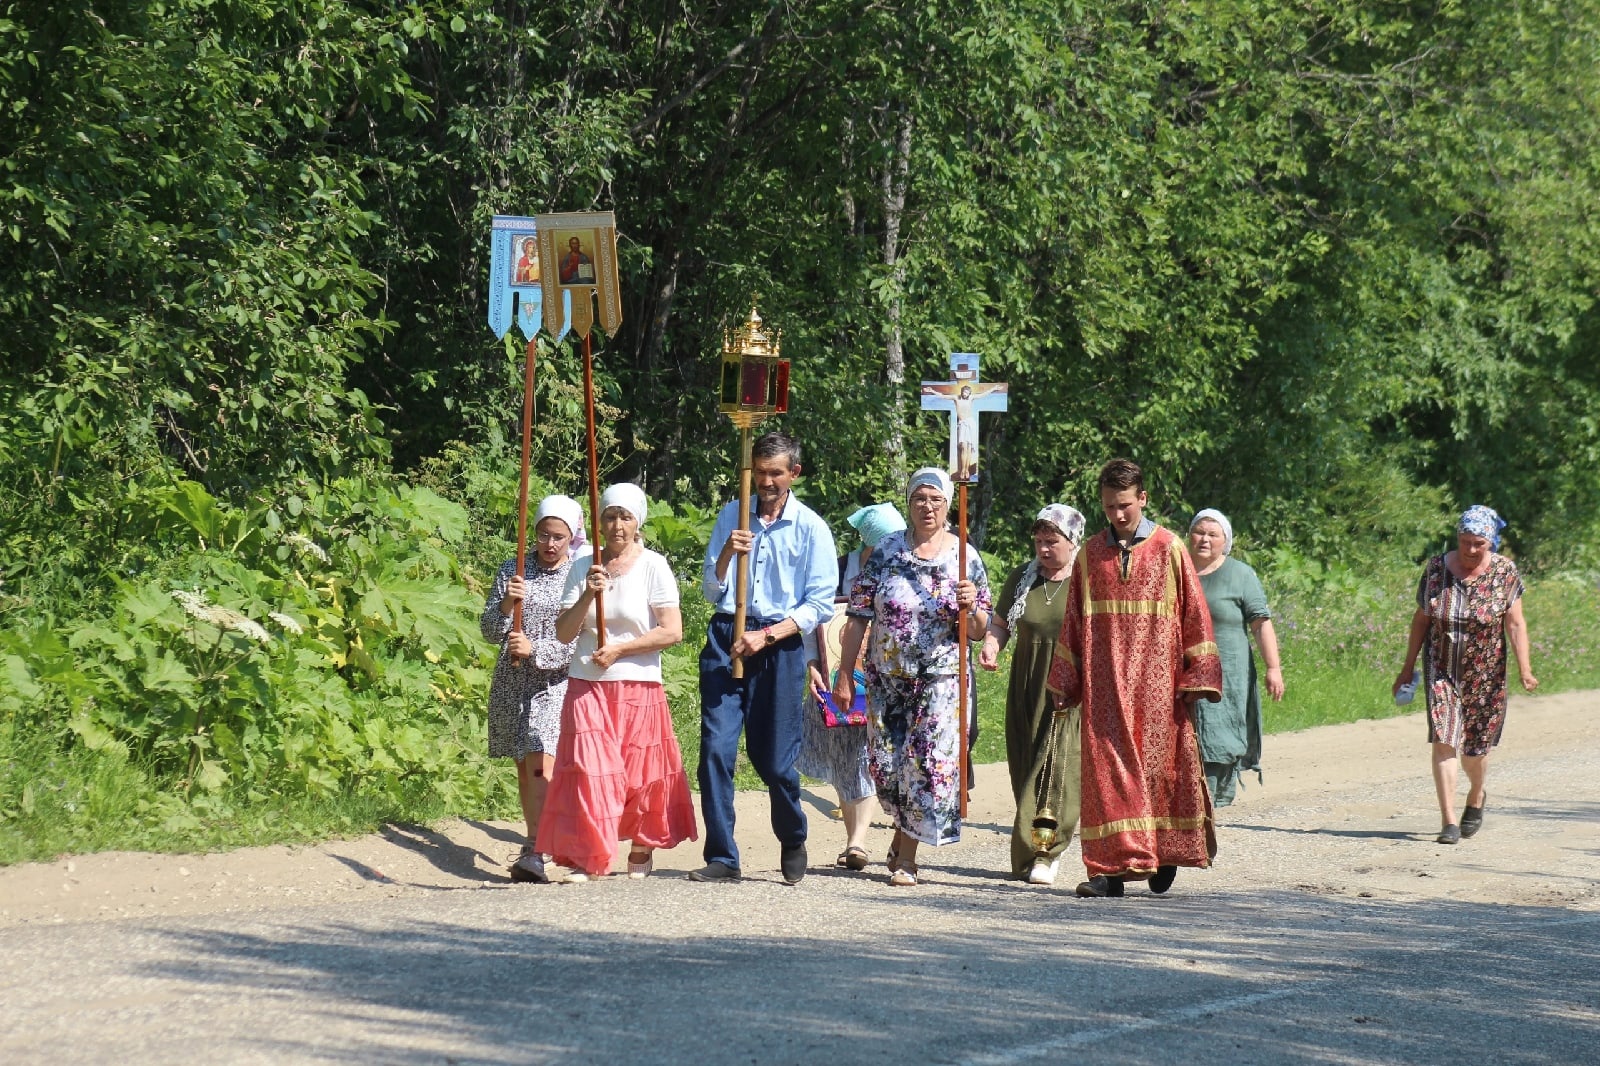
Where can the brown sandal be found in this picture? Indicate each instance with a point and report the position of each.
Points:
(853, 858)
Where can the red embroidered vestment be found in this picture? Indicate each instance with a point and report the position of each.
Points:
(1136, 639)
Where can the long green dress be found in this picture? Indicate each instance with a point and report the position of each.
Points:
(1029, 747)
(1230, 730)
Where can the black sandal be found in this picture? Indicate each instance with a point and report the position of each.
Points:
(1472, 818)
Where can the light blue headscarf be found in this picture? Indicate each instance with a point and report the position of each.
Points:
(1481, 521)
(876, 521)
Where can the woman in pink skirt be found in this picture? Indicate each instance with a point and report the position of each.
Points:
(619, 772)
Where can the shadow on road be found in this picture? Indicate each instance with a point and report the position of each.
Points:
(1266, 978)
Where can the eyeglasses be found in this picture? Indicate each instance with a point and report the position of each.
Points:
(552, 538)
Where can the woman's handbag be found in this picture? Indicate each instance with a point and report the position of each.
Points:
(855, 714)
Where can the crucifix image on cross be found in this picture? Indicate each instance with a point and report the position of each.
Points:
(965, 397)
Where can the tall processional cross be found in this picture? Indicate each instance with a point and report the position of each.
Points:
(965, 397)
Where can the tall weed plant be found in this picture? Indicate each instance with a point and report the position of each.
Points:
(314, 646)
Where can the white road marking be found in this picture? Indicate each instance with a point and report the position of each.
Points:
(1024, 1052)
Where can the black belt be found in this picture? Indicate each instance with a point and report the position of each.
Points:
(750, 622)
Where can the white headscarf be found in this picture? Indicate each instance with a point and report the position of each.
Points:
(629, 497)
(934, 478)
(567, 510)
(1220, 519)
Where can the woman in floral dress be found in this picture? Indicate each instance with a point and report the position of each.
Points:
(530, 677)
(913, 595)
(1469, 602)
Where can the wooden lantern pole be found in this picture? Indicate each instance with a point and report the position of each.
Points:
(755, 385)
(594, 486)
(522, 484)
(741, 603)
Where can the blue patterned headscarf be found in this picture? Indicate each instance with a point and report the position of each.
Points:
(1481, 521)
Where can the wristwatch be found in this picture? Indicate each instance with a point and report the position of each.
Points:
(767, 632)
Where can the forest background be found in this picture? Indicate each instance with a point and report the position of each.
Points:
(1329, 267)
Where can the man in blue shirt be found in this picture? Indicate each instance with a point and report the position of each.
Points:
(793, 571)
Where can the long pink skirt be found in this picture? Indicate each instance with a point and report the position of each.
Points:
(618, 776)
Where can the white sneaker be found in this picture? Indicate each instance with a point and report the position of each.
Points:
(1043, 873)
(571, 876)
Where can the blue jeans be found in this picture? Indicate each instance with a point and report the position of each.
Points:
(766, 704)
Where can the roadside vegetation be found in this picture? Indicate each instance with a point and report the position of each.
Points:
(1330, 268)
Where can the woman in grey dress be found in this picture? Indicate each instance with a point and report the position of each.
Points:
(530, 677)
(839, 755)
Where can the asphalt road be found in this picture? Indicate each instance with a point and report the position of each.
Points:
(1332, 930)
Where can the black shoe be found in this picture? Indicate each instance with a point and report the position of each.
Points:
(715, 871)
(1162, 879)
(1450, 834)
(793, 863)
(1100, 886)
(1471, 820)
(528, 869)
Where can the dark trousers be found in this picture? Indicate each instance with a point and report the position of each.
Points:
(766, 704)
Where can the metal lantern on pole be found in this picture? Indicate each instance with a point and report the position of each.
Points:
(755, 386)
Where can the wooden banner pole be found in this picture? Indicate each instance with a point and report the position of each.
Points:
(594, 487)
(522, 483)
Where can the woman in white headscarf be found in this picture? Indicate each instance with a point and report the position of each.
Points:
(530, 677)
(913, 594)
(1229, 729)
(619, 771)
(1041, 743)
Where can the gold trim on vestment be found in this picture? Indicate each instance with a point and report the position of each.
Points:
(1155, 607)
(1205, 647)
(1128, 825)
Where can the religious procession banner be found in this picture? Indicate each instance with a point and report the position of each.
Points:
(578, 251)
(516, 282)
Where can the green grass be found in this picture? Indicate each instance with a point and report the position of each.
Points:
(1340, 652)
(1341, 655)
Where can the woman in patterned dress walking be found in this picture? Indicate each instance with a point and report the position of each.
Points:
(530, 677)
(912, 593)
(1469, 602)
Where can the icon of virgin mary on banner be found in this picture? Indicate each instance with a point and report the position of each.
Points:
(579, 253)
(516, 277)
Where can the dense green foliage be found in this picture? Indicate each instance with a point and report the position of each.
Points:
(1332, 268)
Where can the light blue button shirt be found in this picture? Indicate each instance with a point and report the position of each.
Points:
(793, 569)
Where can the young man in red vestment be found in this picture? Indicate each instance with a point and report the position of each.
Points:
(1136, 649)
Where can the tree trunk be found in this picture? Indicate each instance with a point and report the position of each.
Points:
(895, 171)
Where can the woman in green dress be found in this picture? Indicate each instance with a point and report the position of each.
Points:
(1230, 729)
(1041, 748)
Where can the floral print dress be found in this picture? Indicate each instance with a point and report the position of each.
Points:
(1464, 662)
(525, 696)
(914, 752)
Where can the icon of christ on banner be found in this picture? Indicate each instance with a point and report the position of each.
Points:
(576, 265)
(965, 396)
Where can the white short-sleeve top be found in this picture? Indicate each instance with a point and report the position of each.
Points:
(630, 605)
